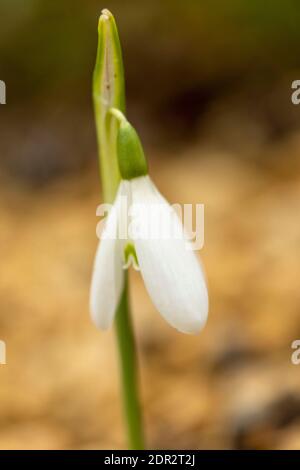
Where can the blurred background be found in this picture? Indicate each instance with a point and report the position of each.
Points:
(209, 90)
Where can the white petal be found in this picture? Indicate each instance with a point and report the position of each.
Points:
(108, 275)
(172, 274)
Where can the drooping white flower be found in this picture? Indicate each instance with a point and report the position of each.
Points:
(170, 268)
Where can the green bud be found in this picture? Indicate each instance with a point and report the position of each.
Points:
(131, 158)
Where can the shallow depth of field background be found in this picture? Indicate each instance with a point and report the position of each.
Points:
(208, 88)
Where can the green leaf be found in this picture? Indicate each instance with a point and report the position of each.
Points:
(108, 91)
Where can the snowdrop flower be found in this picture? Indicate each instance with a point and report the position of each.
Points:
(170, 269)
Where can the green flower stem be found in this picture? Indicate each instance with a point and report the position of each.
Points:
(129, 372)
(109, 91)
